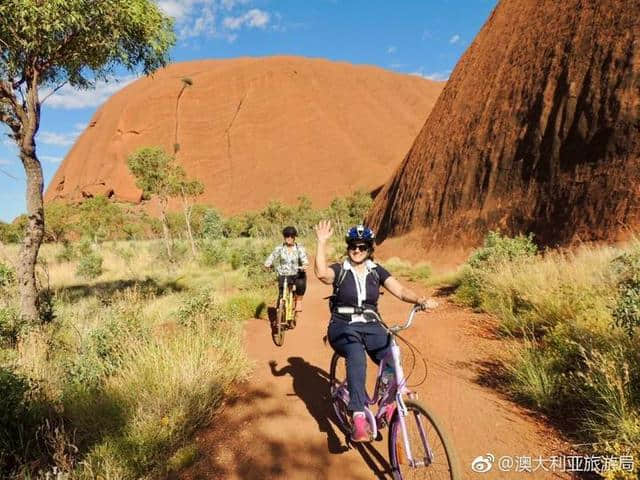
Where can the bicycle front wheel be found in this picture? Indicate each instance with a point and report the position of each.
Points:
(338, 391)
(431, 449)
(277, 330)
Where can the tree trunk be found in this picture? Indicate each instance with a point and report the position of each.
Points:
(187, 219)
(165, 226)
(34, 231)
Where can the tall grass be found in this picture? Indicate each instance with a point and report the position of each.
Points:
(571, 359)
(134, 361)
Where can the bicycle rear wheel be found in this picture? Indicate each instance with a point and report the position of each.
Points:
(430, 447)
(277, 329)
(339, 392)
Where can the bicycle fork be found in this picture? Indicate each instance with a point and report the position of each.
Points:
(403, 413)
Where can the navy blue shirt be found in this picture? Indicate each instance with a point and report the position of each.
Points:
(348, 293)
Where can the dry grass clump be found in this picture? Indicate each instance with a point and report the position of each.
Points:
(133, 362)
(578, 329)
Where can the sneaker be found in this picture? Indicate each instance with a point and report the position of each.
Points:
(361, 429)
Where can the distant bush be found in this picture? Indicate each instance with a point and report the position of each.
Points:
(10, 326)
(14, 231)
(66, 253)
(212, 225)
(7, 275)
(89, 266)
(196, 308)
(248, 254)
(213, 253)
(498, 249)
(627, 310)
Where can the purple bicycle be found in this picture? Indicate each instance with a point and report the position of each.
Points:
(418, 446)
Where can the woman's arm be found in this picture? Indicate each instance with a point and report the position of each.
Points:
(406, 294)
(322, 271)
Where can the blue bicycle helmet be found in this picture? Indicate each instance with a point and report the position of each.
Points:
(360, 233)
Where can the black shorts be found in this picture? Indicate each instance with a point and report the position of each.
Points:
(300, 281)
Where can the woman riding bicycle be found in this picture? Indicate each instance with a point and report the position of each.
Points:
(356, 282)
(292, 263)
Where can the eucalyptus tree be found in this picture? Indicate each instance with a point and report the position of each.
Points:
(45, 44)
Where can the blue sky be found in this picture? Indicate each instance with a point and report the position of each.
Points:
(422, 37)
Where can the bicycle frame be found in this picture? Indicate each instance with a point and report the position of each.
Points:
(401, 389)
(287, 294)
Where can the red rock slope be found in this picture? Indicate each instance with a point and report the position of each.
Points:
(255, 129)
(538, 129)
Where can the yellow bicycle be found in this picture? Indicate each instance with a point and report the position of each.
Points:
(285, 313)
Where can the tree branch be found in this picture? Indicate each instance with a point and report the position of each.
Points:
(53, 91)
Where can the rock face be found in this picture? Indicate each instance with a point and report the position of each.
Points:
(537, 130)
(254, 129)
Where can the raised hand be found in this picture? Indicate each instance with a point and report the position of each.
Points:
(324, 230)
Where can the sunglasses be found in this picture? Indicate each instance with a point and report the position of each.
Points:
(361, 247)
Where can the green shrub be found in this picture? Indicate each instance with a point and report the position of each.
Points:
(498, 249)
(247, 254)
(67, 253)
(212, 225)
(627, 310)
(10, 326)
(213, 253)
(7, 275)
(194, 308)
(89, 266)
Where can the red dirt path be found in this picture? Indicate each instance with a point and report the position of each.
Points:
(278, 427)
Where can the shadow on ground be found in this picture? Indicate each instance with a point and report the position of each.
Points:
(232, 449)
(106, 290)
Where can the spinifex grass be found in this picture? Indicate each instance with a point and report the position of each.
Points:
(570, 358)
(131, 364)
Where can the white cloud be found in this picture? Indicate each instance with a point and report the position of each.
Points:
(70, 98)
(202, 18)
(229, 4)
(59, 139)
(435, 76)
(203, 23)
(254, 18)
(174, 8)
(454, 39)
(392, 49)
(51, 158)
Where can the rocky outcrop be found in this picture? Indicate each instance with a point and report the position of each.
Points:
(537, 130)
(254, 129)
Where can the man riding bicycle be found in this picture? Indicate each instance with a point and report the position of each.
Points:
(356, 282)
(292, 262)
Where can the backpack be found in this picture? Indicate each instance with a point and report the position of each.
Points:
(339, 279)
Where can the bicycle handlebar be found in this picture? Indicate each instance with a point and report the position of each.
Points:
(373, 313)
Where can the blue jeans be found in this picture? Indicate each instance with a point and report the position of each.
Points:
(352, 340)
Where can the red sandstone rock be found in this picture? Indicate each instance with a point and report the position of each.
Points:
(255, 129)
(537, 130)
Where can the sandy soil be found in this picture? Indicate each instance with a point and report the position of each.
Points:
(280, 424)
